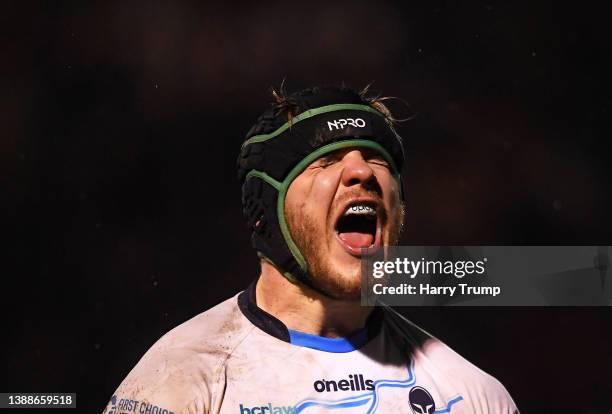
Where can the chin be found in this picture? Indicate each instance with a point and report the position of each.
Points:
(344, 284)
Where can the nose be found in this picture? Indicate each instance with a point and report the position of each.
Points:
(355, 169)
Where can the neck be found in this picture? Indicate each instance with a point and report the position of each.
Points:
(303, 309)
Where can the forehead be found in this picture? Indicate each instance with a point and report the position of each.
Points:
(339, 153)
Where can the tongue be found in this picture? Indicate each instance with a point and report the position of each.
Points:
(357, 240)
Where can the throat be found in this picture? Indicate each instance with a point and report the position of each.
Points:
(301, 309)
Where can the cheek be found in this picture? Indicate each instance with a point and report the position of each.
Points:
(323, 190)
(313, 194)
(391, 192)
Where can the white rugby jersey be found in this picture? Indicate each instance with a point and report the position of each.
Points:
(235, 358)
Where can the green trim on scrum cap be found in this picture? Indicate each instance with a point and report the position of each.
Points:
(301, 166)
(265, 177)
(309, 114)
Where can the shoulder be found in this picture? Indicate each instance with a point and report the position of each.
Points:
(183, 370)
(481, 388)
(448, 369)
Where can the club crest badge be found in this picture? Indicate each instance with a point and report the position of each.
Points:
(421, 401)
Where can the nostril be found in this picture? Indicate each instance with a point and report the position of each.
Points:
(354, 181)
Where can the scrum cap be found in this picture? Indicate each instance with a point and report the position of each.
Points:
(276, 151)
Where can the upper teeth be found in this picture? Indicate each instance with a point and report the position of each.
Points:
(360, 209)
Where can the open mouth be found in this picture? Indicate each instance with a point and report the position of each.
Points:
(358, 227)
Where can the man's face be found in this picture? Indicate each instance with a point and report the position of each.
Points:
(343, 202)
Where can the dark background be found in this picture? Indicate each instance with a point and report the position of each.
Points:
(121, 123)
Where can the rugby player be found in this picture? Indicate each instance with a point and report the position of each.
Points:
(321, 186)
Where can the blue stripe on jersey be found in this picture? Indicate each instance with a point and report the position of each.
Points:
(335, 345)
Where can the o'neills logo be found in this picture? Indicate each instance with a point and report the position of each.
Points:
(341, 123)
(353, 383)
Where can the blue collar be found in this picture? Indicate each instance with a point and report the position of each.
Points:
(272, 326)
(335, 345)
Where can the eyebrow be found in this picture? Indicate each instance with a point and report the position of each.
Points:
(367, 154)
(329, 156)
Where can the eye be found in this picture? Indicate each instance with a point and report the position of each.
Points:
(377, 159)
(325, 161)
